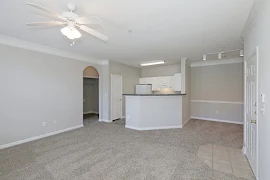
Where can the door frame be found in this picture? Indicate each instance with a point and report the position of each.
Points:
(254, 53)
(121, 89)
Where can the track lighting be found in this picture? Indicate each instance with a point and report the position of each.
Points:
(219, 55)
(241, 53)
(204, 57)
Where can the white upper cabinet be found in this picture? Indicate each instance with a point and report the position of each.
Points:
(177, 81)
(166, 82)
(159, 82)
(142, 80)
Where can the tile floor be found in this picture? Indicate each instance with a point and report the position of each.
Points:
(226, 159)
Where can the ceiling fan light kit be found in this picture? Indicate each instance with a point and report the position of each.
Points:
(72, 20)
(71, 32)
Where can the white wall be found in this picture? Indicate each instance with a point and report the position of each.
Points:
(90, 95)
(217, 92)
(130, 77)
(258, 35)
(38, 87)
(155, 71)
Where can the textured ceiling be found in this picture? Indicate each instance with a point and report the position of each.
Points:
(161, 29)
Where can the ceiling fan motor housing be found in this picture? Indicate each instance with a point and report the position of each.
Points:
(71, 7)
(70, 15)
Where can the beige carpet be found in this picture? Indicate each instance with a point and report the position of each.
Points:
(109, 151)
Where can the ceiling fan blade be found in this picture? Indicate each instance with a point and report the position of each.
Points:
(48, 23)
(94, 33)
(92, 20)
(47, 10)
(83, 20)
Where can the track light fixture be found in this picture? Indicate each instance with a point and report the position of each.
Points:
(219, 55)
(204, 57)
(242, 53)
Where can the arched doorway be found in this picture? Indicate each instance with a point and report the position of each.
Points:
(90, 95)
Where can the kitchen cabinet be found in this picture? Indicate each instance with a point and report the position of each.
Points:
(177, 81)
(158, 82)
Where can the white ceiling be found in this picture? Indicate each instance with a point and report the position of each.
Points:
(161, 29)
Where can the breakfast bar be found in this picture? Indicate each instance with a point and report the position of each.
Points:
(153, 111)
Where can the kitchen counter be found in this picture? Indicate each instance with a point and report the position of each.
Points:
(153, 111)
(154, 94)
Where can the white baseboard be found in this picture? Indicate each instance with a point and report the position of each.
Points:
(244, 150)
(91, 112)
(105, 120)
(39, 137)
(186, 121)
(217, 120)
(152, 128)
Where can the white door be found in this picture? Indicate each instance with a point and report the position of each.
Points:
(251, 111)
(116, 97)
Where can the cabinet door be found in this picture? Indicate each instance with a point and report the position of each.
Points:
(156, 83)
(177, 82)
(166, 82)
(142, 81)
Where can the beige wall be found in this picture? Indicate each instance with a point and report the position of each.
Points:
(215, 83)
(155, 71)
(38, 87)
(130, 77)
(90, 72)
(186, 111)
(218, 82)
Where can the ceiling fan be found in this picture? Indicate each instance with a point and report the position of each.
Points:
(71, 20)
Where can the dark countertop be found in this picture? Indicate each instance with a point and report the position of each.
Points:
(154, 94)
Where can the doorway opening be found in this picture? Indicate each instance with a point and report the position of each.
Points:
(90, 95)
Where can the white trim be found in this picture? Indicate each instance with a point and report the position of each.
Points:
(39, 137)
(91, 112)
(217, 62)
(92, 77)
(10, 41)
(105, 120)
(153, 128)
(217, 120)
(186, 121)
(217, 102)
(244, 150)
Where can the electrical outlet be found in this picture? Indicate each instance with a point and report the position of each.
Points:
(44, 123)
(217, 112)
(55, 121)
(128, 116)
